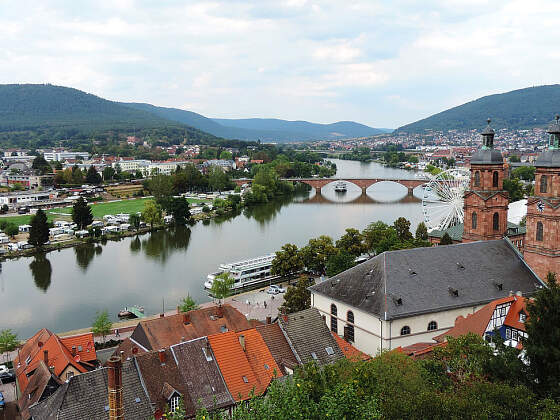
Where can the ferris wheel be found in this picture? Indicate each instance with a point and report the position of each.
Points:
(442, 198)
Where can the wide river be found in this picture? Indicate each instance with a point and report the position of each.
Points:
(63, 290)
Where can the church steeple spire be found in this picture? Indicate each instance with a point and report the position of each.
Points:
(554, 132)
(488, 136)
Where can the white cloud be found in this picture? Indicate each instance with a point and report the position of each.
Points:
(376, 62)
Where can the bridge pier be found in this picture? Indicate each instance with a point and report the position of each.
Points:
(364, 189)
(411, 191)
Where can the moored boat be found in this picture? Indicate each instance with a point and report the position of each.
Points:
(131, 312)
(245, 273)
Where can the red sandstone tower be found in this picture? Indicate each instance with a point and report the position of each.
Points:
(486, 203)
(542, 242)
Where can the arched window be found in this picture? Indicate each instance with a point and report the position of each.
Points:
(495, 179)
(477, 179)
(405, 330)
(432, 326)
(334, 321)
(349, 330)
(544, 182)
(474, 220)
(496, 221)
(539, 231)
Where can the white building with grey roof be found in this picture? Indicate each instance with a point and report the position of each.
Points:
(408, 296)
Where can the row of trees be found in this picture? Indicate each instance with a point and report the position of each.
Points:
(323, 256)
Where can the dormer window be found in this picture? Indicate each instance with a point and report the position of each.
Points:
(522, 317)
(174, 403)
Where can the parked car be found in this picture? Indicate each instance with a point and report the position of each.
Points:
(2, 403)
(275, 289)
(7, 377)
(4, 369)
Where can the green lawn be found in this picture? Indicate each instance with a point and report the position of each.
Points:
(99, 210)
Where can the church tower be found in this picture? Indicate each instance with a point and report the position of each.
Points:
(542, 241)
(486, 202)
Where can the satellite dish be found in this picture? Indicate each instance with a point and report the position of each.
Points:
(77, 358)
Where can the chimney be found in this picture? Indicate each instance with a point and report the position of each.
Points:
(46, 357)
(161, 315)
(115, 388)
(220, 312)
(242, 341)
(178, 309)
(73, 350)
(269, 320)
(186, 318)
(161, 355)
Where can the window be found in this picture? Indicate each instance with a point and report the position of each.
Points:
(522, 317)
(245, 379)
(350, 326)
(314, 355)
(514, 335)
(539, 231)
(69, 375)
(206, 354)
(405, 330)
(266, 366)
(508, 333)
(474, 220)
(329, 350)
(334, 321)
(477, 179)
(544, 182)
(432, 326)
(495, 179)
(174, 403)
(496, 221)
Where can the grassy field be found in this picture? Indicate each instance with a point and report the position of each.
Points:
(99, 210)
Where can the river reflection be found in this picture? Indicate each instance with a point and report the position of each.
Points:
(64, 290)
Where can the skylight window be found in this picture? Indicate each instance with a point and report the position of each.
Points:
(137, 400)
(453, 292)
(522, 317)
(329, 350)
(266, 366)
(411, 272)
(223, 328)
(207, 354)
(245, 379)
(314, 356)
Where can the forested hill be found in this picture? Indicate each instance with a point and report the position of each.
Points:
(264, 129)
(522, 108)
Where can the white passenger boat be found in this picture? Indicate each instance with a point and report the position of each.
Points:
(245, 273)
(340, 186)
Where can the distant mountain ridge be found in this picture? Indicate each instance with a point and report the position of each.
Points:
(264, 129)
(517, 109)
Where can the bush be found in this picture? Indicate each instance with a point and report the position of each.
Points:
(206, 209)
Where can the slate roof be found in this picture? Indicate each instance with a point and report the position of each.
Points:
(42, 384)
(398, 284)
(278, 346)
(163, 332)
(550, 158)
(487, 156)
(86, 397)
(307, 333)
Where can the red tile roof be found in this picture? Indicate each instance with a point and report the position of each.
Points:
(236, 370)
(350, 352)
(84, 344)
(512, 318)
(260, 359)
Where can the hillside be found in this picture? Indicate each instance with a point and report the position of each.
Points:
(522, 108)
(273, 130)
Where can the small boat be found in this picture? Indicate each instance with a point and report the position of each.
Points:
(340, 186)
(131, 312)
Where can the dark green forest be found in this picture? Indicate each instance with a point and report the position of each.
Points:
(518, 109)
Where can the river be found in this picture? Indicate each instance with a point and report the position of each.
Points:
(64, 290)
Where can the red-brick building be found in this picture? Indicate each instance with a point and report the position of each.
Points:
(542, 243)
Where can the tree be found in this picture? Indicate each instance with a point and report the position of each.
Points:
(446, 239)
(161, 187)
(340, 262)
(92, 176)
(81, 213)
(8, 341)
(421, 232)
(218, 179)
(11, 230)
(515, 189)
(39, 230)
(287, 261)
(351, 242)
(102, 324)
(40, 165)
(179, 208)
(402, 226)
(134, 220)
(225, 155)
(222, 286)
(543, 331)
(298, 298)
(317, 252)
(108, 173)
(379, 237)
(514, 159)
(151, 213)
(187, 304)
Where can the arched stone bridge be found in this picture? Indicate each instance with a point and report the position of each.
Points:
(363, 183)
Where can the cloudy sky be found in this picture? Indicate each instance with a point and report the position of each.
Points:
(382, 63)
